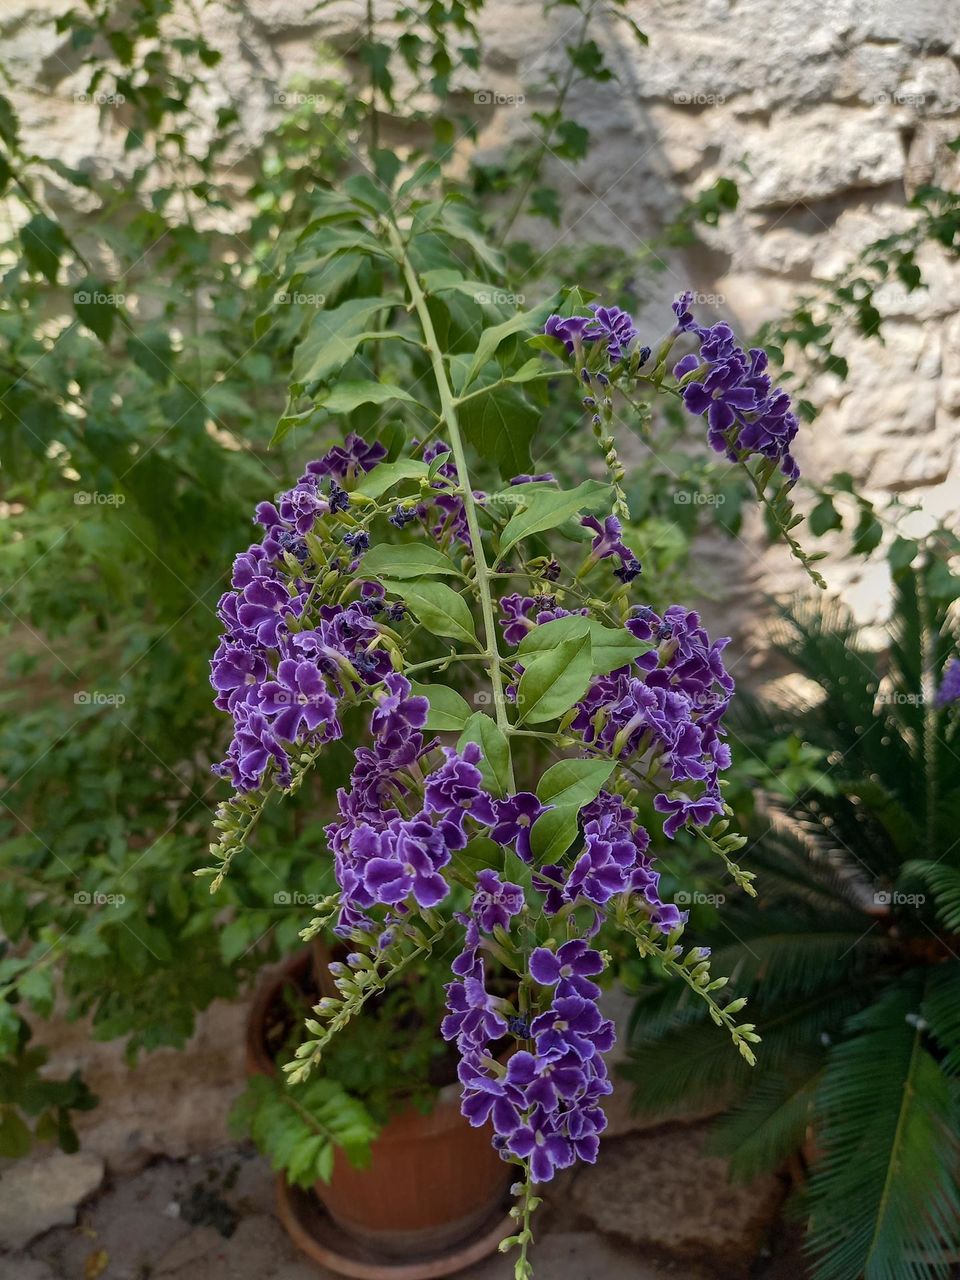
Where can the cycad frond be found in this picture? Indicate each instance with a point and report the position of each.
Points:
(884, 1198)
(770, 1123)
(943, 881)
(941, 1011)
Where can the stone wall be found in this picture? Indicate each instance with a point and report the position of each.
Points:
(828, 116)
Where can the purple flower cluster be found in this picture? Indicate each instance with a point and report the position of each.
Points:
(544, 1104)
(613, 860)
(280, 683)
(607, 324)
(668, 706)
(382, 857)
(745, 413)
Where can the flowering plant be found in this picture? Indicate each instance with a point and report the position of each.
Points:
(384, 544)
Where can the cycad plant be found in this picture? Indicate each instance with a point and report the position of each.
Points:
(853, 959)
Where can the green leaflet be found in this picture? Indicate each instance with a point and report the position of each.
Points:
(405, 560)
(547, 507)
(555, 680)
(611, 647)
(522, 322)
(347, 396)
(333, 338)
(495, 751)
(437, 607)
(500, 425)
(376, 482)
(568, 786)
(448, 710)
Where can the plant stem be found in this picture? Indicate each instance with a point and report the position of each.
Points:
(448, 411)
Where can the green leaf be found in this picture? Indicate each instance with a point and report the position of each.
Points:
(96, 307)
(347, 396)
(568, 786)
(152, 351)
(495, 751)
(437, 607)
(490, 340)
(15, 1138)
(500, 425)
(407, 560)
(333, 338)
(448, 710)
(376, 482)
(824, 516)
(611, 647)
(555, 680)
(43, 245)
(547, 507)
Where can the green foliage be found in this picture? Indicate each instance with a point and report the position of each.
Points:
(851, 958)
(300, 1131)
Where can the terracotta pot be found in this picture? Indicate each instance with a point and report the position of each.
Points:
(432, 1179)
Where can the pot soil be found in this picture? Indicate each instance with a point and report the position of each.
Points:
(433, 1183)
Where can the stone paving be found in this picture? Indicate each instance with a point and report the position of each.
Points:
(650, 1210)
(157, 1192)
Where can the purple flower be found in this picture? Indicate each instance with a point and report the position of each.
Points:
(348, 459)
(537, 1141)
(236, 672)
(682, 810)
(681, 309)
(299, 699)
(300, 507)
(616, 326)
(418, 851)
(454, 791)
(253, 747)
(570, 1026)
(495, 901)
(263, 608)
(609, 324)
(720, 396)
(949, 690)
(541, 479)
(570, 967)
(398, 716)
(609, 542)
(514, 817)
(543, 1081)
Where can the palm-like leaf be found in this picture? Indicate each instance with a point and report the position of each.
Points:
(884, 1198)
